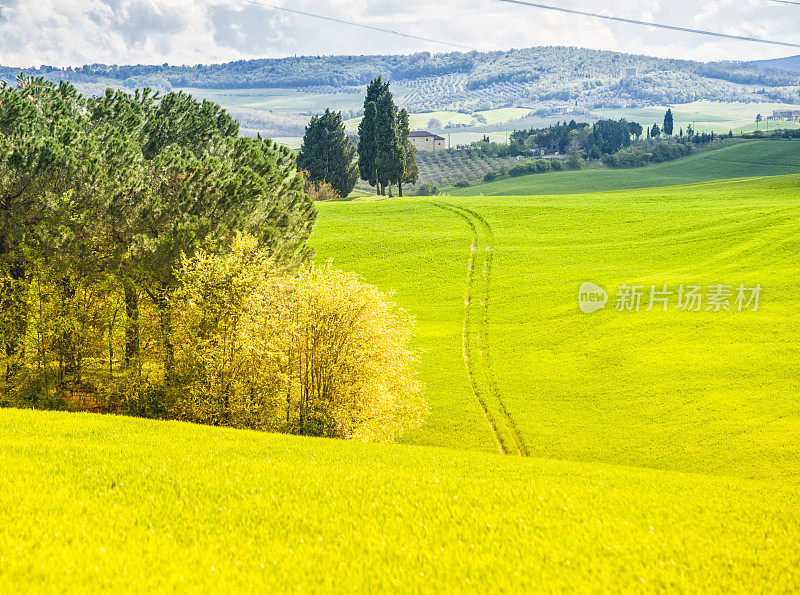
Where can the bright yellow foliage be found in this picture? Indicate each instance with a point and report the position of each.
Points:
(316, 353)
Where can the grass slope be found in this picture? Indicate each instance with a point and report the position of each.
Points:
(100, 503)
(704, 116)
(757, 158)
(708, 392)
(664, 445)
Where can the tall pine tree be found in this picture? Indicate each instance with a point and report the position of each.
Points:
(327, 154)
(367, 134)
(389, 156)
(410, 167)
(382, 140)
(669, 124)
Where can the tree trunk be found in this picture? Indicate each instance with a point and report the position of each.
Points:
(15, 309)
(162, 302)
(400, 188)
(390, 190)
(132, 325)
(66, 341)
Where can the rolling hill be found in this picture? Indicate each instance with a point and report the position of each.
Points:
(521, 365)
(479, 93)
(789, 64)
(756, 158)
(549, 79)
(102, 503)
(619, 450)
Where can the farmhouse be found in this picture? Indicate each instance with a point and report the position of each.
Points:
(425, 141)
(792, 115)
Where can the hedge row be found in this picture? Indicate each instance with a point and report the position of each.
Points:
(646, 154)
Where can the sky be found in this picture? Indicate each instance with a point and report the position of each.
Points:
(76, 32)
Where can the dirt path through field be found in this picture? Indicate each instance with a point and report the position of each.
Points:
(475, 332)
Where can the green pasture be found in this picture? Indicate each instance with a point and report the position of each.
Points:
(710, 392)
(704, 116)
(281, 100)
(752, 158)
(612, 451)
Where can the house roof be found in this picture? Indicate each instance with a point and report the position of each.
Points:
(424, 133)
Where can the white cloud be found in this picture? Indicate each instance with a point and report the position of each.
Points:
(74, 32)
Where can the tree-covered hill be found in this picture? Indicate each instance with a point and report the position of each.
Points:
(789, 64)
(550, 76)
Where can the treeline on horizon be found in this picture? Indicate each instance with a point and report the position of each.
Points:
(482, 68)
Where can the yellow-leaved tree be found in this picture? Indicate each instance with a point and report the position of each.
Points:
(317, 353)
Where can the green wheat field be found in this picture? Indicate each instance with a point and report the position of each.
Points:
(613, 451)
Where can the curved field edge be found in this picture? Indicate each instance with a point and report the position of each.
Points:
(93, 502)
(744, 160)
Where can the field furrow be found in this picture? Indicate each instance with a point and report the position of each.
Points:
(475, 339)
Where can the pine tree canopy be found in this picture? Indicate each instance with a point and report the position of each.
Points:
(327, 154)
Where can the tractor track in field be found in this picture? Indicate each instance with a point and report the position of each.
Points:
(475, 333)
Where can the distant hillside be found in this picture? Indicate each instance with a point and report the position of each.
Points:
(790, 64)
(749, 159)
(550, 78)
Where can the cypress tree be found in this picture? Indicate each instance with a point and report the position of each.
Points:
(389, 161)
(367, 134)
(668, 123)
(410, 168)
